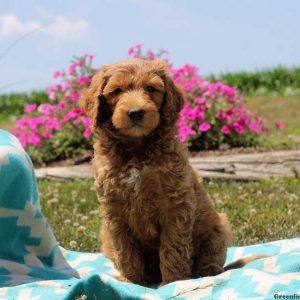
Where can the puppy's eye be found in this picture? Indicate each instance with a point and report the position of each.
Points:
(150, 89)
(117, 91)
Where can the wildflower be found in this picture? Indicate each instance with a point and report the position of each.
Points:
(185, 132)
(87, 133)
(47, 135)
(52, 123)
(72, 69)
(57, 74)
(238, 128)
(204, 127)
(74, 96)
(254, 127)
(230, 112)
(188, 85)
(279, 125)
(178, 80)
(80, 229)
(78, 121)
(30, 107)
(65, 86)
(87, 122)
(73, 244)
(33, 139)
(200, 100)
(82, 80)
(46, 108)
(221, 115)
(225, 130)
(62, 105)
(52, 95)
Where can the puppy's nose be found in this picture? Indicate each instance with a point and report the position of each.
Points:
(136, 114)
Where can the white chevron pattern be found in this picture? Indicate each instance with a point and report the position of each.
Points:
(38, 229)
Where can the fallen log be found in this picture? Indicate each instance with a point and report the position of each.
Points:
(250, 166)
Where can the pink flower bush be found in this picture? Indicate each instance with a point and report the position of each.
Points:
(213, 114)
(41, 124)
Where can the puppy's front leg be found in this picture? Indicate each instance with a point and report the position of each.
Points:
(176, 244)
(127, 257)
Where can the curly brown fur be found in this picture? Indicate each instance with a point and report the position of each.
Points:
(158, 223)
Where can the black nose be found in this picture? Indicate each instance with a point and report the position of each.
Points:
(136, 114)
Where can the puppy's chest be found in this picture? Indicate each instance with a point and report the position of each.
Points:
(140, 194)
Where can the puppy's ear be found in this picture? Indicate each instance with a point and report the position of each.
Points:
(173, 100)
(91, 98)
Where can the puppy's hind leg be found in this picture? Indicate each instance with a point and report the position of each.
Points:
(210, 250)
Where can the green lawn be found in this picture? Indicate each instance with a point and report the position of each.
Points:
(7, 122)
(279, 109)
(259, 211)
(72, 210)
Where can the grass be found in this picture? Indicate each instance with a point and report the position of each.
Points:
(279, 109)
(7, 123)
(72, 210)
(258, 211)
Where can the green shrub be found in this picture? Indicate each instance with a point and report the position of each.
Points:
(65, 143)
(280, 81)
(12, 105)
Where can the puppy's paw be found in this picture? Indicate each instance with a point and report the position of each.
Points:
(122, 278)
(134, 280)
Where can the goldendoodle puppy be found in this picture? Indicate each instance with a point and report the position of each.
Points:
(158, 223)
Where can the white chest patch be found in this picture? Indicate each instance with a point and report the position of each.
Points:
(131, 178)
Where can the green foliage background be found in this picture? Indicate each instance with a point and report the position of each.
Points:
(280, 81)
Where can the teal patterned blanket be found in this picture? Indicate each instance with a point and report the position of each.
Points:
(33, 266)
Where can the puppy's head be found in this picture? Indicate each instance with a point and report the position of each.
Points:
(133, 98)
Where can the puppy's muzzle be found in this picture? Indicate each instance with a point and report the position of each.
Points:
(136, 115)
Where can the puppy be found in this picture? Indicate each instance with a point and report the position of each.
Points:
(158, 223)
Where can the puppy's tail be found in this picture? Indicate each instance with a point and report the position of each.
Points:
(243, 261)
